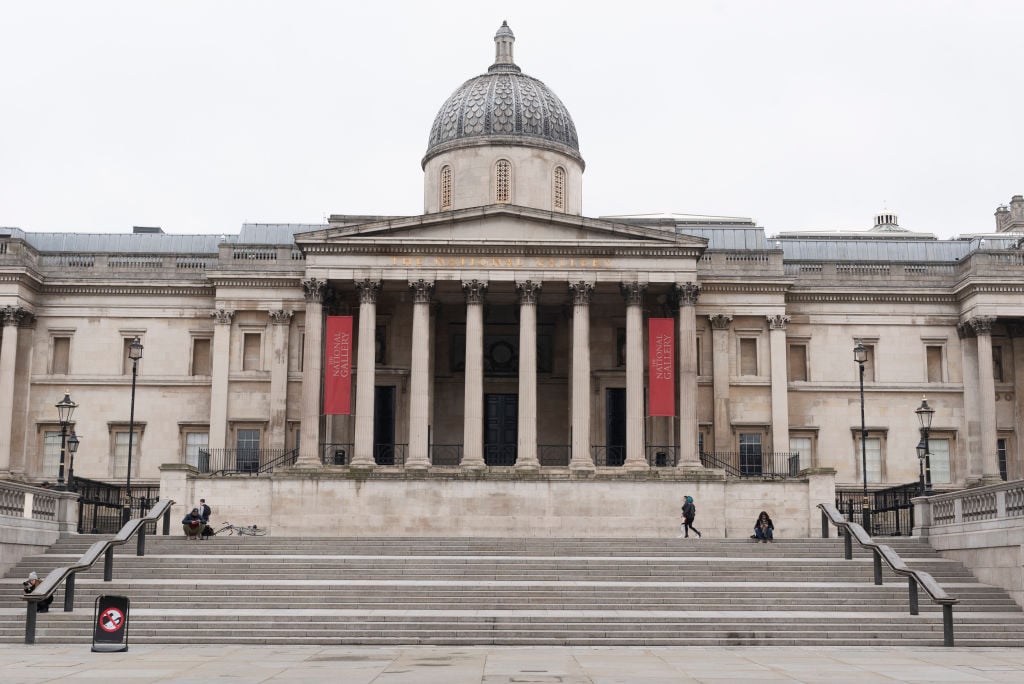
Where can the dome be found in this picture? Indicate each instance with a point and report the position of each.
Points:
(504, 107)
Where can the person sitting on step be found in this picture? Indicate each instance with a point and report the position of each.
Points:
(764, 528)
(29, 585)
(193, 524)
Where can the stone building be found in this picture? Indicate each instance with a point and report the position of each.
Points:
(503, 328)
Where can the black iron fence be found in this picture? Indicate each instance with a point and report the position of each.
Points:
(100, 505)
(554, 455)
(332, 453)
(777, 465)
(445, 454)
(892, 513)
(662, 455)
(244, 461)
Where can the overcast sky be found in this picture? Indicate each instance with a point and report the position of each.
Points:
(198, 116)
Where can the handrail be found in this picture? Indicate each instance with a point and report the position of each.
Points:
(829, 513)
(57, 576)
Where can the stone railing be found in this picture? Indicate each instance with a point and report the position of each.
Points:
(867, 270)
(995, 502)
(25, 501)
(31, 519)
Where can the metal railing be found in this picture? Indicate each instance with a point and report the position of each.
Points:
(334, 453)
(136, 527)
(778, 465)
(892, 513)
(340, 454)
(554, 455)
(244, 461)
(605, 455)
(662, 455)
(445, 454)
(880, 552)
(100, 504)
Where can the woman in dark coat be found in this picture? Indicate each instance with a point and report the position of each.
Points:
(689, 513)
(764, 528)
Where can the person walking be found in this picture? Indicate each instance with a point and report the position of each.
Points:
(204, 514)
(689, 513)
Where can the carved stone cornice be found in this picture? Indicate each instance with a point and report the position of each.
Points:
(581, 292)
(964, 331)
(475, 291)
(15, 316)
(685, 294)
(528, 292)
(223, 316)
(422, 291)
(130, 290)
(633, 292)
(368, 290)
(868, 298)
(982, 324)
(778, 321)
(720, 321)
(280, 317)
(313, 289)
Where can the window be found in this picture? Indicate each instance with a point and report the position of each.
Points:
(997, 363)
(248, 454)
(939, 460)
(197, 450)
(446, 187)
(933, 355)
(380, 344)
(1001, 448)
(797, 362)
(748, 356)
(700, 356)
(61, 353)
(251, 345)
(121, 453)
(503, 182)
(801, 446)
(869, 363)
(558, 192)
(750, 453)
(126, 363)
(201, 361)
(700, 443)
(873, 451)
(620, 347)
(51, 454)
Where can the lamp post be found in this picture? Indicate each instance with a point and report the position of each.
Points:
(72, 449)
(134, 353)
(65, 409)
(860, 355)
(924, 417)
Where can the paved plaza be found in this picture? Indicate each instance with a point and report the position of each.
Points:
(507, 665)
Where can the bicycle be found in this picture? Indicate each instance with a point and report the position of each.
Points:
(242, 530)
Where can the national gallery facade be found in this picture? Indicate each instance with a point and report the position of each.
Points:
(502, 331)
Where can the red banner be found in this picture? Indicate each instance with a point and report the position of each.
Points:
(661, 371)
(338, 366)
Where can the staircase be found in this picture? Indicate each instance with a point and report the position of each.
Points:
(513, 592)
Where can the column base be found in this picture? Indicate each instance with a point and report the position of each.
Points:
(582, 467)
(635, 466)
(527, 467)
(990, 480)
(417, 467)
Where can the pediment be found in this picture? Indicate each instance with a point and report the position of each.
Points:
(500, 225)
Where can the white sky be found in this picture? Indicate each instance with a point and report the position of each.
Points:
(200, 115)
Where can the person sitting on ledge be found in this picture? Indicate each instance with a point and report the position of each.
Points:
(763, 528)
(193, 524)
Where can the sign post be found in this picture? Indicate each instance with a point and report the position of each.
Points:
(110, 624)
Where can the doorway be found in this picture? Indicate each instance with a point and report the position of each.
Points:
(615, 426)
(384, 425)
(501, 429)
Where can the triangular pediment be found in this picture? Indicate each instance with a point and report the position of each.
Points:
(500, 224)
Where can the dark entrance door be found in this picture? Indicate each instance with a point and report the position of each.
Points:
(384, 425)
(615, 425)
(501, 429)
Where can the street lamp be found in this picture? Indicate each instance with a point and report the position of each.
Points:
(924, 417)
(134, 353)
(72, 449)
(65, 408)
(860, 355)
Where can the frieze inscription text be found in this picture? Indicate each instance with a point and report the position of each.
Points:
(502, 262)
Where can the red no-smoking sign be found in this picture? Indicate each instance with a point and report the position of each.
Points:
(110, 630)
(111, 620)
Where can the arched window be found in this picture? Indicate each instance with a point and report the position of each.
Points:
(558, 189)
(446, 187)
(503, 182)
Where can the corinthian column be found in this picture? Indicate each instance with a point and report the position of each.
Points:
(780, 382)
(419, 376)
(686, 298)
(473, 404)
(581, 458)
(720, 350)
(312, 374)
(219, 378)
(10, 318)
(633, 293)
(280, 321)
(987, 399)
(366, 372)
(526, 447)
(972, 404)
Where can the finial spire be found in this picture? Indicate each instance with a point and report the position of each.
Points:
(503, 42)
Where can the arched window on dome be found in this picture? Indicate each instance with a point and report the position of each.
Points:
(446, 187)
(503, 181)
(558, 189)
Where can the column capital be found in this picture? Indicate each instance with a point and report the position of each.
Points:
(778, 321)
(528, 291)
(720, 321)
(280, 316)
(368, 290)
(685, 294)
(581, 292)
(422, 290)
(475, 290)
(964, 331)
(15, 315)
(223, 316)
(633, 292)
(982, 324)
(313, 289)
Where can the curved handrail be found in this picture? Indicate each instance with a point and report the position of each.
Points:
(892, 559)
(57, 576)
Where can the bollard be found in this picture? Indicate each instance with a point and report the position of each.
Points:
(847, 544)
(947, 624)
(69, 593)
(878, 566)
(140, 540)
(824, 525)
(167, 522)
(913, 596)
(108, 565)
(30, 622)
